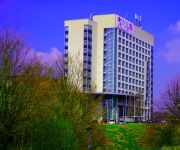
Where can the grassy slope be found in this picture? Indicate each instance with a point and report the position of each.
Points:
(124, 136)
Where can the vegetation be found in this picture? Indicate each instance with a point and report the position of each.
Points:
(142, 136)
(40, 108)
(124, 136)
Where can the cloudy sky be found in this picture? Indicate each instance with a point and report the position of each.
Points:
(42, 21)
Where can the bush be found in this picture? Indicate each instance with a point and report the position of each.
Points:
(160, 135)
(53, 134)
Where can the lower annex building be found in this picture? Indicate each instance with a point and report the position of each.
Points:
(117, 58)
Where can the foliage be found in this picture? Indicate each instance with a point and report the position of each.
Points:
(160, 135)
(55, 133)
(40, 108)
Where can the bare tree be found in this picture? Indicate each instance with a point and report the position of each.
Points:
(139, 105)
(130, 112)
(170, 98)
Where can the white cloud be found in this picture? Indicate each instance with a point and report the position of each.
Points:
(48, 57)
(171, 51)
(175, 28)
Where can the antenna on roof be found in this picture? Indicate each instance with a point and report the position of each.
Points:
(91, 16)
(138, 20)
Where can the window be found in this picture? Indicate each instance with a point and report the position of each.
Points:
(130, 44)
(136, 54)
(142, 50)
(130, 73)
(136, 75)
(123, 48)
(127, 36)
(119, 40)
(119, 47)
(119, 77)
(122, 78)
(123, 70)
(127, 64)
(136, 40)
(123, 56)
(126, 50)
(134, 67)
(137, 47)
(143, 70)
(119, 84)
(130, 37)
(130, 58)
(119, 32)
(133, 39)
(133, 60)
(133, 46)
(126, 57)
(130, 66)
(126, 71)
(123, 86)
(126, 86)
(136, 61)
(126, 79)
(136, 82)
(130, 51)
(133, 53)
(127, 43)
(119, 62)
(119, 69)
(122, 63)
(143, 57)
(119, 54)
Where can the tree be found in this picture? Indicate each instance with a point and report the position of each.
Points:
(80, 108)
(139, 105)
(24, 88)
(130, 112)
(170, 98)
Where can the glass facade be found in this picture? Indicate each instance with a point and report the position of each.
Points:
(66, 33)
(87, 57)
(109, 66)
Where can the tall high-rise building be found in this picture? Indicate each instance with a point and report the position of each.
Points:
(117, 58)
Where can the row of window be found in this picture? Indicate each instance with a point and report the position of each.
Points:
(130, 73)
(129, 87)
(134, 39)
(131, 80)
(131, 65)
(133, 59)
(132, 52)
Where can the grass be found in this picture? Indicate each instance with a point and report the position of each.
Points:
(124, 137)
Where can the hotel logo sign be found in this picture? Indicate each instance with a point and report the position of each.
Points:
(124, 25)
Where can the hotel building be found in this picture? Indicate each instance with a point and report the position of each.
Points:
(117, 58)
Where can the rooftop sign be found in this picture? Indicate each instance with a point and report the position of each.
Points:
(124, 25)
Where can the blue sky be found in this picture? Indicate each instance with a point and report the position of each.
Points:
(42, 21)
